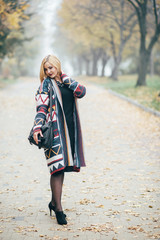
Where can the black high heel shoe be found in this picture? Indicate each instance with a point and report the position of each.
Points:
(51, 207)
(61, 218)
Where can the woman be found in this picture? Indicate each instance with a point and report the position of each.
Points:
(66, 154)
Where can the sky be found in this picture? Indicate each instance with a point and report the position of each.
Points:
(50, 8)
(47, 10)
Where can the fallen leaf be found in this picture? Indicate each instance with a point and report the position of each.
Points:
(100, 206)
(86, 201)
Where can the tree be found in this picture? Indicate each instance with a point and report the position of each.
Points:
(156, 59)
(145, 11)
(20, 47)
(117, 22)
(84, 30)
(12, 15)
(123, 23)
(103, 26)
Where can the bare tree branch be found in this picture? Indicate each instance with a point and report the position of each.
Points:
(113, 11)
(139, 2)
(154, 38)
(131, 2)
(130, 17)
(155, 12)
(113, 45)
(130, 31)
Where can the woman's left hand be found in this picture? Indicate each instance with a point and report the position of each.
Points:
(35, 135)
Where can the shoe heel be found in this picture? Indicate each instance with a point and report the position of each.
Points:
(50, 208)
(50, 212)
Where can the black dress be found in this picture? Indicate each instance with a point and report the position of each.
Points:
(68, 106)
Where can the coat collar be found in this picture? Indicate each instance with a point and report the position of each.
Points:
(57, 91)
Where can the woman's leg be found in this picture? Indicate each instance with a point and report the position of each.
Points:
(56, 183)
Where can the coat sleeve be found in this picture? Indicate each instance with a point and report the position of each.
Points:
(78, 89)
(42, 103)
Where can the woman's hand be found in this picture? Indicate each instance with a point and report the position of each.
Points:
(35, 135)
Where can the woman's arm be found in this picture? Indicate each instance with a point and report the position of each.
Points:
(78, 89)
(42, 102)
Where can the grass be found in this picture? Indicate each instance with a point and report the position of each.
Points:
(148, 96)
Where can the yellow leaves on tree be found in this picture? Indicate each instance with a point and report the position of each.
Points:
(13, 20)
(11, 17)
(78, 25)
(94, 22)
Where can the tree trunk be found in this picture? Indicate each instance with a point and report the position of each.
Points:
(151, 65)
(79, 65)
(114, 74)
(105, 59)
(104, 62)
(86, 59)
(87, 67)
(143, 56)
(117, 57)
(96, 53)
(94, 64)
(115, 71)
(142, 68)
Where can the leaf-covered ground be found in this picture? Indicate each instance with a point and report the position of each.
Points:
(115, 197)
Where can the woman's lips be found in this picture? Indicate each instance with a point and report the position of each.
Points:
(51, 75)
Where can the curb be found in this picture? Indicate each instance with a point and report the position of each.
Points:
(146, 109)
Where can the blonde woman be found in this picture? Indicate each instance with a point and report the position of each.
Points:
(66, 154)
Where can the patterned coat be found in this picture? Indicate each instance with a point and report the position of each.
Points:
(60, 155)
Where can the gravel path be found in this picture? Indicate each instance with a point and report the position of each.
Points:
(115, 197)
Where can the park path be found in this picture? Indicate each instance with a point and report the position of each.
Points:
(115, 197)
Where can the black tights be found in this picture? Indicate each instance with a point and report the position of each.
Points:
(56, 183)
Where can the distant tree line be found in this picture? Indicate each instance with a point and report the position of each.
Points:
(96, 31)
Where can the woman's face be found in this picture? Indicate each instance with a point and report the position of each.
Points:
(50, 70)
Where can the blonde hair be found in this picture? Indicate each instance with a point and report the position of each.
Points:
(54, 61)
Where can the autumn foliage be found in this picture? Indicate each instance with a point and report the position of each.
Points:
(12, 16)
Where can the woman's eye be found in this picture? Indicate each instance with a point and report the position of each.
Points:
(50, 67)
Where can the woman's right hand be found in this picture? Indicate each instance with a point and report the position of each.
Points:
(35, 135)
